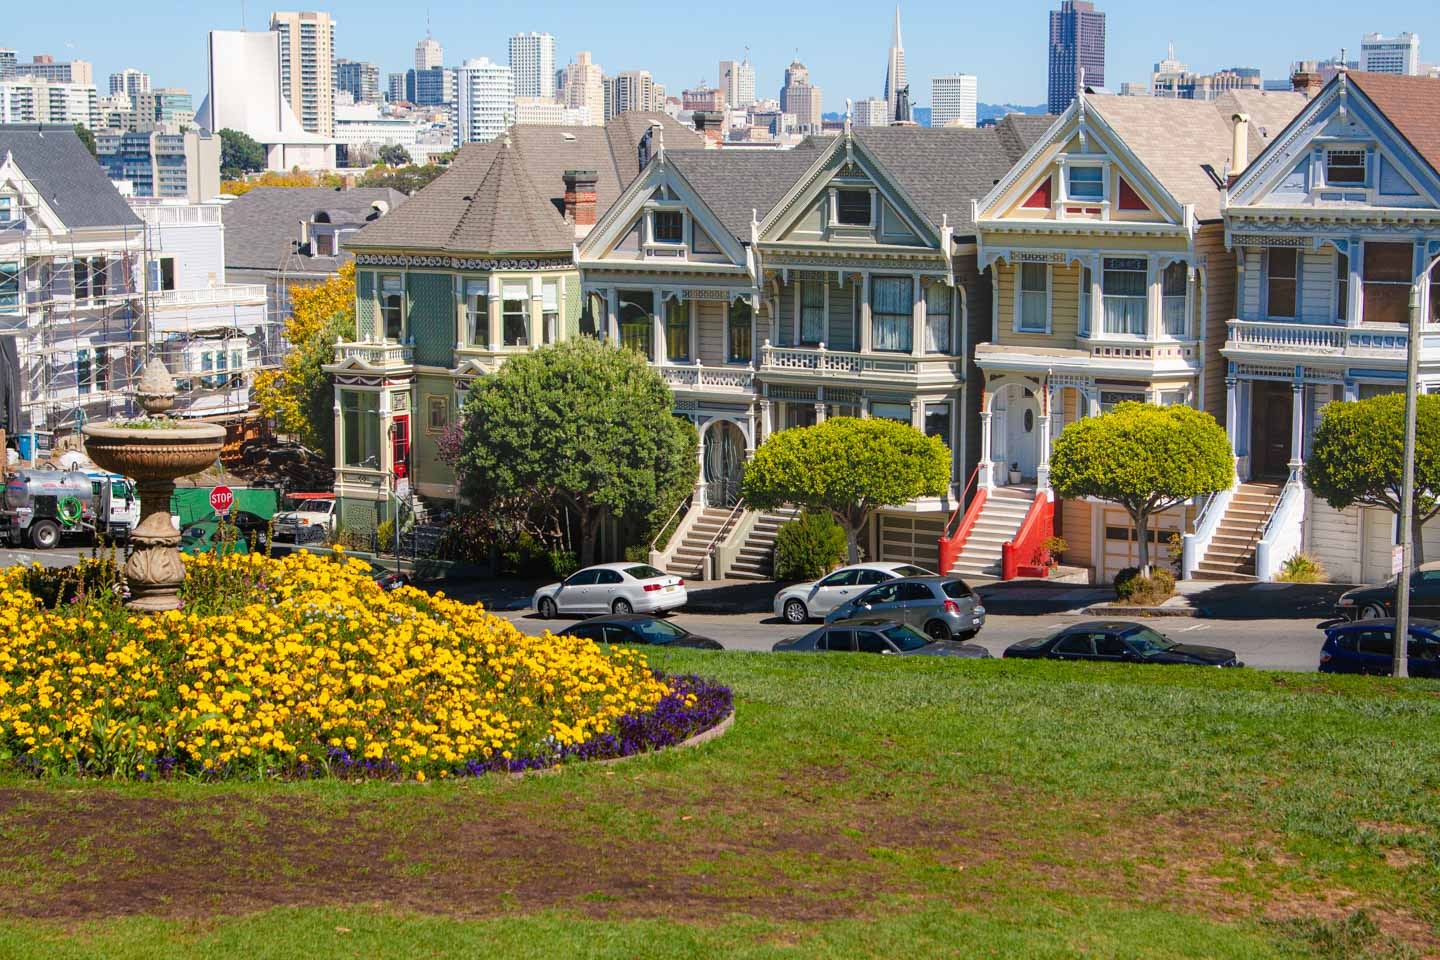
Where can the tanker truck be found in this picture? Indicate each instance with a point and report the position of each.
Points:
(42, 506)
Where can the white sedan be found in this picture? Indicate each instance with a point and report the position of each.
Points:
(612, 588)
(813, 600)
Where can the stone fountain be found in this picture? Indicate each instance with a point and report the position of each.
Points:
(154, 450)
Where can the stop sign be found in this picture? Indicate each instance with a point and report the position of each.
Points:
(220, 499)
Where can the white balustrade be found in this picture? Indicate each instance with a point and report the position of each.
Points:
(1366, 340)
(225, 293)
(375, 354)
(823, 362)
(697, 376)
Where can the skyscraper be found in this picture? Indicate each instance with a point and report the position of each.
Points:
(584, 88)
(8, 61)
(1077, 47)
(429, 54)
(129, 82)
(532, 64)
(633, 90)
(737, 79)
(484, 100)
(1399, 54)
(395, 87)
(953, 100)
(798, 97)
(894, 69)
(359, 79)
(307, 67)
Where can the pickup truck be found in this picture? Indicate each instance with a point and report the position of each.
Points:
(310, 519)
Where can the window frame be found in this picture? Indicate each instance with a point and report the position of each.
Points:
(840, 208)
(436, 402)
(364, 415)
(1099, 182)
(939, 321)
(678, 222)
(906, 320)
(1363, 168)
(731, 326)
(10, 274)
(1019, 325)
(475, 308)
(1167, 299)
(520, 315)
(678, 308)
(550, 296)
(806, 312)
(1292, 279)
(1106, 270)
(382, 295)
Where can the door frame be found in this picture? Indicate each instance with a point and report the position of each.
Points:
(721, 432)
(1264, 395)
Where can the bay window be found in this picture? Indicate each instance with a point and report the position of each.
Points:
(1172, 299)
(636, 309)
(938, 298)
(550, 311)
(740, 320)
(1282, 281)
(891, 313)
(360, 424)
(677, 331)
(812, 312)
(1122, 285)
(1388, 269)
(1087, 278)
(1034, 296)
(392, 306)
(477, 313)
(515, 314)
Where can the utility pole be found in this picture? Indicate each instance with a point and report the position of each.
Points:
(1401, 659)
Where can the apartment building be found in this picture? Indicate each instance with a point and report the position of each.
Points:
(484, 100)
(44, 67)
(1398, 54)
(359, 78)
(429, 54)
(801, 98)
(737, 80)
(532, 65)
(584, 88)
(307, 67)
(183, 166)
(129, 82)
(953, 100)
(37, 100)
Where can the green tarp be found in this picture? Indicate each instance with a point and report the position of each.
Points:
(192, 504)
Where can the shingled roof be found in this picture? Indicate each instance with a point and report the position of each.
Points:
(61, 169)
(1412, 104)
(262, 227)
(736, 184)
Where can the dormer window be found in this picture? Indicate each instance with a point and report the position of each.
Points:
(669, 226)
(324, 244)
(1086, 183)
(1345, 166)
(852, 208)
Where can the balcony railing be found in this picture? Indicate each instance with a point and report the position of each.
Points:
(375, 354)
(697, 376)
(822, 362)
(1373, 340)
(209, 296)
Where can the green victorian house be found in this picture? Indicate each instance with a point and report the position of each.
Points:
(477, 266)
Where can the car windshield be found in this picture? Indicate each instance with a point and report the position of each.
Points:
(644, 572)
(658, 631)
(1146, 642)
(906, 570)
(906, 638)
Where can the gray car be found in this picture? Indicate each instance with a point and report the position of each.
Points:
(877, 635)
(945, 608)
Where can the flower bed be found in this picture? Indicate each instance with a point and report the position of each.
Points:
(302, 667)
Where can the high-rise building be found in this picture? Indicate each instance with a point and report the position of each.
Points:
(8, 60)
(395, 87)
(429, 54)
(953, 100)
(430, 88)
(129, 82)
(584, 88)
(532, 64)
(709, 99)
(551, 113)
(801, 98)
(1077, 51)
(307, 67)
(1204, 86)
(870, 112)
(358, 78)
(167, 108)
(177, 165)
(633, 90)
(737, 79)
(484, 100)
(43, 67)
(895, 70)
(37, 100)
(1399, 54)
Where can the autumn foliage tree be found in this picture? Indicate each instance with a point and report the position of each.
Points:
(299, 395)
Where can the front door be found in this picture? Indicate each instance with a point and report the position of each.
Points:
(724, 464)
(1271, 408)
(1022, 424)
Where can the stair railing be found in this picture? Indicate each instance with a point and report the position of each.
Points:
(705, 565)
(961, 521)
(1283, 533)
(1019, 557)
(1207, 524)
(667, 529)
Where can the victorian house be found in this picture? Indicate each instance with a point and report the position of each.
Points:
(1112, 282)
(1333, 228)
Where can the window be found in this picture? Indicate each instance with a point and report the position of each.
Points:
(891, 313)
(1086, 183)
(636, 307)
(1281, 281)
(550, 311)
(868, 577)
(870, 642)
(102, 368)
(841, 641)
(1109, 398)
(437, 414)
(937, 318)
(1387, 272)
(852, 208)
(841, 578)
(1173, 283)
(477, 313)
(360, 423)
(1076, 644)
(740, 325)
(7, 209)
(885, 593)
(909, 592)
(89, 277)
(324, 244)
(799, 415)
(609, 576)
(1087, 280)
(1172, 398)
(392, 306)
(1034, 297)
(1109, 645)
(669, 226)
(9, 285)
(937, 421)
(400, 445)
(82, 371)
(812, 312)
(677, 331)
(515, 314)
(1434, 293)
(582, 578)
(162, 273)
(1342, 289)
(1122, 283)
(890, 411)
(1345, 166)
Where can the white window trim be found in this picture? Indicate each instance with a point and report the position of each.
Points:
(1061, 196)
(1015, 326)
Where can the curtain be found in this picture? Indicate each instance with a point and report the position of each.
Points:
(891, 313)
(937, 318)
(677, 331)
(812, 312)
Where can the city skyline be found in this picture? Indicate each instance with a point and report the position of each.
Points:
(1011, 64)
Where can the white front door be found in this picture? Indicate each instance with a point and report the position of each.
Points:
(1022, 425)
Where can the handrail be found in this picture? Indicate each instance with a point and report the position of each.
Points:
(959, 510)
(1037, 527)
(682, 505)
(1289, 513)
(1207, 524)
(710, 547)
(953, 542)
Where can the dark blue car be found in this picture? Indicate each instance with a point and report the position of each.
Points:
(1368, 646)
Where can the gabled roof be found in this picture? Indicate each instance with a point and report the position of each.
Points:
(736, 183)
(71, 181)
(439, 216)
(1412, 105)
(263, 226)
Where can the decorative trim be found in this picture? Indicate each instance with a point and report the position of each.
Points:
(463, 263)
(833, 262)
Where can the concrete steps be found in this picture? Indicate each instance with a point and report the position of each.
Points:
(1231, 554)
(1000, 519)
(756, 559)
(689, 558)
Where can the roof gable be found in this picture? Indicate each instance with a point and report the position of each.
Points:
(61, 171)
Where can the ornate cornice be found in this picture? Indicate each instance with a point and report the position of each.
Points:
(412, 261)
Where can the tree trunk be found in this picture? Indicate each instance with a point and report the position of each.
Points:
(852, 543)
(1142, 531)
(1417, 537)
(587, 536)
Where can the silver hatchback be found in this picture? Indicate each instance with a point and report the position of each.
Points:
(945, 608)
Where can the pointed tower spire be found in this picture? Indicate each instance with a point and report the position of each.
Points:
(895, 36)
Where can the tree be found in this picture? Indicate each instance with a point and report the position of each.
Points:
(1144, 458)
(275, 178)
(408, 180)
(239, 154)
(299, 395)
(87, 138)
(394, 155)
(1358, 456)
(849, 467)
(582, 422)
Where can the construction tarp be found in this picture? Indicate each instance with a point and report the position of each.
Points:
(192, 504)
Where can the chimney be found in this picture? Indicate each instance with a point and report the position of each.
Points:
(710, 124)
(580, 200)
(1306, 81)
(1239, 145)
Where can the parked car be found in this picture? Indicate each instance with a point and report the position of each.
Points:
(639, 628)
(310, 520)
(1378, 601)
(803, 601)
(208, 535)
(1119, 641)
(944, 608)
(254, 528)
(877, 635)
(612, 588)
(387, 578)
(1368, 646)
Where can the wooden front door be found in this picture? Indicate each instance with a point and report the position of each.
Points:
(1271, 415)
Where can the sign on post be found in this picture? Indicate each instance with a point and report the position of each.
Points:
(221, 499)
(1397, 559)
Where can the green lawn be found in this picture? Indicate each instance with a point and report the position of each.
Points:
(860, 806)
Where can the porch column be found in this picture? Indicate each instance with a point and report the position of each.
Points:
(700, 485)
(987, 472)
(819, 405)
(1297, 429)
(1042, 467)
(767, 420)
(493, 307)
(917, 317)
(1232, 414)
(658, 347)
(865, 335)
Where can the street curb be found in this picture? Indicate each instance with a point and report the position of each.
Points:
(1107, 610)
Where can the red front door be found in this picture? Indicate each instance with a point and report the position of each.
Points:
(400, 446)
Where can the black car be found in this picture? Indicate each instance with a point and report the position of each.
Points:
(1377, 601)
(639, 628)
(877, 635)
(254, 529)
(1119, 641)
(1368, 646)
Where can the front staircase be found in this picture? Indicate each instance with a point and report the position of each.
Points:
(1001, 515)
(1231, 554)
(756, 557)
(690, 557)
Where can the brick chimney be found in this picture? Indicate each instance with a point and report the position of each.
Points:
(1307, 82)
(580, 200)
(710, 124)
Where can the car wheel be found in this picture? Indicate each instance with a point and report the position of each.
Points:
(45, 535)
(621, 606)
(1373, 611)
(937, 631)
(795, 612)
(546, 608)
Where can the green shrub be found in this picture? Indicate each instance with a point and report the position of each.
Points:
(1301, 568)
(1131, 587)
(563, 563)
(54, 586)
(638, 553)
(385, 536)
(808, 547)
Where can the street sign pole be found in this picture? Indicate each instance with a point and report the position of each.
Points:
(1401, 659)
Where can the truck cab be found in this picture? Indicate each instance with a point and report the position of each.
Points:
(117, 505)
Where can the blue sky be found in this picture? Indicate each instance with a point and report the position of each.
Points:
(843, 42)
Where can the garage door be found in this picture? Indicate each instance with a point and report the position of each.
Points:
(1378, 529)
(905, 538)
(1122, 545)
